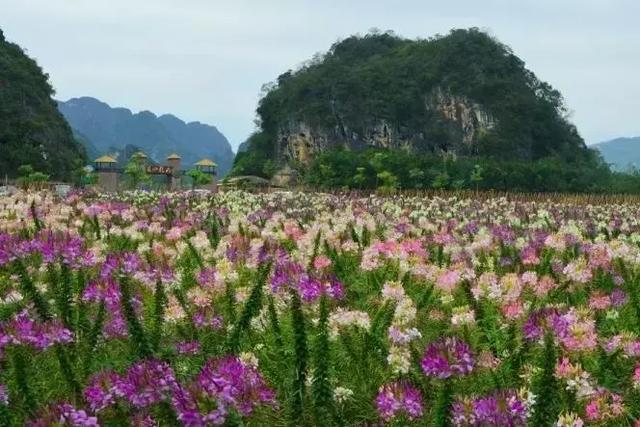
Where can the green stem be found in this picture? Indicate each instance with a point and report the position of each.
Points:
(301, 352)
(21, 377)
(160, 300)
(322, 392)
(137, 337)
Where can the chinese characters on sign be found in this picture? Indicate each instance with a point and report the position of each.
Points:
(159, 170)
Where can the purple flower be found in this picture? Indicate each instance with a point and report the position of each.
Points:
(130, 262)
(537, 322)
(335, 289)
(447, 357)
(309, 288)
(235, 383)
(146, 383)
(188, 347)
(502, 408)
(4, 395)
(285, 274)
(189, 412)
(205, 318)
(63, 414)
(142, 420)
(618, 298)
(399, 397)
(102, 390)
(206, 278)
(221, 385)
(23, 330)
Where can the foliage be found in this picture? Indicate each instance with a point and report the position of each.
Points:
(28, 178)
(257, 160)
(461, 309)
(383, 78)
(198, 178)
(136, 172)
(32, 131)
(335, 169)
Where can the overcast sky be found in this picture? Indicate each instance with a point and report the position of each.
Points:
(206, 60)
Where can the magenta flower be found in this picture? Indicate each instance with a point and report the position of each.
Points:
(188, 347)
(205, 318)
(309, 288)
(23, 330)
(447, 357)
(102, 390)
(538, 323)
(4, 395)
(63, 414)
(235, 383)
(502, 408)
(189, 407)
(147, 383)
(222, 384)
(206, 278)
(399, 397)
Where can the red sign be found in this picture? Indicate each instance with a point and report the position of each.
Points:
(159, 170)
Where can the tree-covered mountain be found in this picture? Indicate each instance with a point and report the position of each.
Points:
(623, 154)
(464, 93)
(110, 130)
(32, 131)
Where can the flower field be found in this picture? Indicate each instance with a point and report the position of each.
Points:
(312, 309)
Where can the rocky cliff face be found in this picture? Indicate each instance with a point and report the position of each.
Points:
(300, 142)
(464, 93)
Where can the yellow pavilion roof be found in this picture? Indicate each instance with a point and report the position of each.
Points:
(173, 156)
(105, 159)
(205, 162)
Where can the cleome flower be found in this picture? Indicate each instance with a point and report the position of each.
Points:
(447, 357)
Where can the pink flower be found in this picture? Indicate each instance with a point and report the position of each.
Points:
(599, 301)
(320, 262)
(514, 310)
(448, 281)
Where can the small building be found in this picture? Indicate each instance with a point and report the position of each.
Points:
(174, 161)
(105, 163)
(107, 169)
(209, 167)
(206, 166)
(169, 176)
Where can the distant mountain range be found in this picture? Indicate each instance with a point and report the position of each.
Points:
(621, 153)
(106, 130)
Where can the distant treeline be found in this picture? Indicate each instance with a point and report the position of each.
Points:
(392, 169)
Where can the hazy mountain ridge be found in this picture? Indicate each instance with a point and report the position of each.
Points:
(622, 154)
(111, 129)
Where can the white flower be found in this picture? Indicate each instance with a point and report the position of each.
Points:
(249, 358)
(342, 394)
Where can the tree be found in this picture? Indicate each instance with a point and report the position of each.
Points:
(198, 178)
(360, 177)
(476, 175)
(136, 172)
(32, 130)
(29, 178)
(86, 177)
(389, 181)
